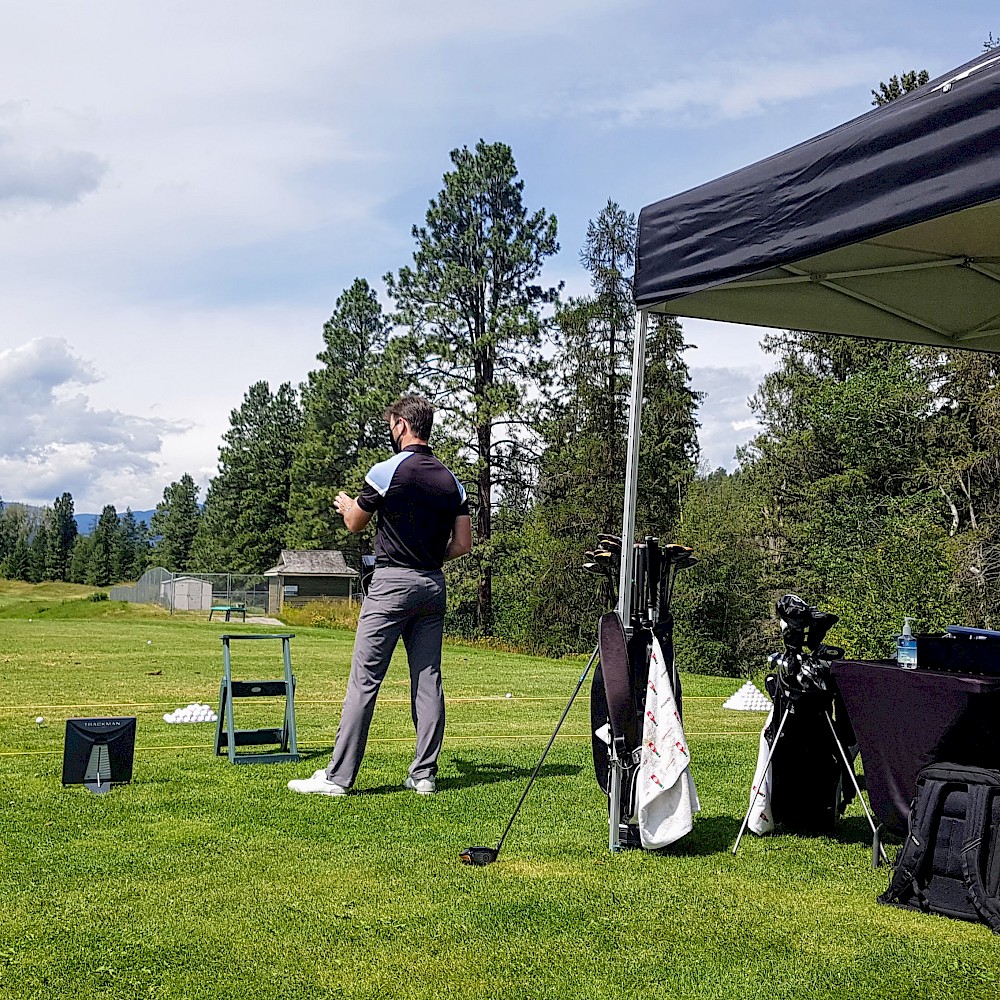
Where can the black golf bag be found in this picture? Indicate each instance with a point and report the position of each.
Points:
(809, 786)
(618, 689)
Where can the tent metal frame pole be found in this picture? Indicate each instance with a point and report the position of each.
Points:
(624, 608)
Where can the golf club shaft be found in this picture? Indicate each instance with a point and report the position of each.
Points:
(531, 780)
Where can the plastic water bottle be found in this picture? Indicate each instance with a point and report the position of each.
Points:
(906, 647)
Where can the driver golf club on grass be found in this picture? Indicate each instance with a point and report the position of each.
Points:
(487, 855)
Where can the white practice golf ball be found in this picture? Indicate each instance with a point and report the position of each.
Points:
(508, 695)
(149, 642)
(39, 719)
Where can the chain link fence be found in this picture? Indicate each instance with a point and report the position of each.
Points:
(195, 591)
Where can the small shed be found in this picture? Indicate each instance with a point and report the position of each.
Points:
(189, 594)
(304, 575)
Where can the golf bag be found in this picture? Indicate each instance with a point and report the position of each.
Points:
(804, 787)
(636, 709)
(950, 861)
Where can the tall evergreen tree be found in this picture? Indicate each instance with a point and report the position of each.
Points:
(474, 309)
(18, 564)
(343, 430)
(131, 547)
(246, 517)
(581, 487)
(176, 523)
(79, 559)
(61, 537)
(38, 554)
(103, 549)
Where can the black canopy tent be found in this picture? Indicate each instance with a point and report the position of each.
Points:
(887, 227)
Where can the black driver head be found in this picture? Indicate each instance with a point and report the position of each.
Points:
(479, 855)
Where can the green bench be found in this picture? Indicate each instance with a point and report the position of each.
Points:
(229, 609)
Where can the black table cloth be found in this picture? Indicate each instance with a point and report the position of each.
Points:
(906, 719)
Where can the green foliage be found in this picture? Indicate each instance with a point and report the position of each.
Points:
(580, 488)
(899, 85)
(244, 524)
(721, 605)
(322, 613)
(103, 549)
(343, 430)
(61, 538)
(176, 523)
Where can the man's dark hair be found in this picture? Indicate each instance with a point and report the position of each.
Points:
(416, 411)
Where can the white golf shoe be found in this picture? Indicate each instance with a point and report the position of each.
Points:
(317, 784)
(422, 786)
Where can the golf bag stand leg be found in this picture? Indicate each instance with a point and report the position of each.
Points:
(756, 791)
(878, 851)
(614, 802)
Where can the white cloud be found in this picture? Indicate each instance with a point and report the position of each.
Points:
(726, 421)
(718, 89)
(52, 439)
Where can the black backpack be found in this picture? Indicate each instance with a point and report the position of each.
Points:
(950, 860)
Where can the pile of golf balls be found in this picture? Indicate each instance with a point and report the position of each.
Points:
(195, 712)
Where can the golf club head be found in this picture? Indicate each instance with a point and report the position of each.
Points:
(479, 856)
(592, 567)
(613, 539)
(686, 563)
(676, 552)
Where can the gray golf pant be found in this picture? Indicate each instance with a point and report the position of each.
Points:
(405, 603)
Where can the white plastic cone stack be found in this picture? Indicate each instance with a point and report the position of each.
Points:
(749, 699)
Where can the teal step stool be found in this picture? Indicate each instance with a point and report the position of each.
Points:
(228, 737)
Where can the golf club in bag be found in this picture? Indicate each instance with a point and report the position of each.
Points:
(620, 688)
(487, 855)
(804, 779)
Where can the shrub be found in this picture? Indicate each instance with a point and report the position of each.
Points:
(324, 612)
(98, 595)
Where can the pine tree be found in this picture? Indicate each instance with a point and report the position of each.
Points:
(343, 429)
(474, 311)
(131, 547)
(176, 523)
(103, 549)
(38, 553)
(245, 520)
(79, 559)
(582, 481)
(61, 538)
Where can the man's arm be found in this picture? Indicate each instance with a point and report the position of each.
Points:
(355, 519)
(461, 538)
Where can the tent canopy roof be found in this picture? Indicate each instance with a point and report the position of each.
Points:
(886, 227)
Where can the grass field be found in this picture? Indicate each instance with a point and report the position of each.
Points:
(201, 879)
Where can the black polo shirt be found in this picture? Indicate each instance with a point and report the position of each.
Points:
(417, 499)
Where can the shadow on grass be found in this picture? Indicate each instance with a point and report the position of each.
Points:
(471, 773)
(855, 830)
(711, 835)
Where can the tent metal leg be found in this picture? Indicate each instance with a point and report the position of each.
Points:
(632, 466)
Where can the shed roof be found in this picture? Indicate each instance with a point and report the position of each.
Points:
(311, 562)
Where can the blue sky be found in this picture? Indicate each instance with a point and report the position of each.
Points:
(185, 189)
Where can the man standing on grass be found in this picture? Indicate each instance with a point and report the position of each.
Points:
(423, 521)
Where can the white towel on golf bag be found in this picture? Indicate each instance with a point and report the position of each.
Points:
(666, 799)
(761, 821)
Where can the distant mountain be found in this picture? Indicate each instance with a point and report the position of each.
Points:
(85, 523)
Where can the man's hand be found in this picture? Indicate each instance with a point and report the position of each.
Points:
(355, 519)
